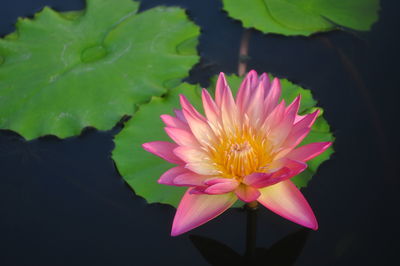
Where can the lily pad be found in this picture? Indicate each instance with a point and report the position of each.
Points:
(141, 169)
(303, 17)
(62, 72)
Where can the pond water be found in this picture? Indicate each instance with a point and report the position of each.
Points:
(62, 202)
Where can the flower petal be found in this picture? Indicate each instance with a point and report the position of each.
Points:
(171, 121)
(243, 93)
(271, 100)
(210, 108)
(309, 151)
(247, 193)
(280, 132)
(256, 106)
(196, 160)
(220, 88)
(229, 113)
(300, 130)
(168, 177)
(182, 137)
(189, 178)
(222, 186)
(202, 168)
(180, 115)
(163, 149)
(255, 178)
(287, 201)
(200, 129)
(187, 106)
(266, 83)
(189, 154)
(197, 209)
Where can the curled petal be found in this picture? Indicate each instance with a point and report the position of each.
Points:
(189, 178)
(247, 193)
(197, 209)
(163, 150)
(255, 179)
(221, 185)
(309, 151)
(168, 177)
(261, 180)
(287, 201)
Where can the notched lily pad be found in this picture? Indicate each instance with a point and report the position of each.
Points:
(61, 72)
(303, 17)
(141, 169)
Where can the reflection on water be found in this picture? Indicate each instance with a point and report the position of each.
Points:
(282, 253)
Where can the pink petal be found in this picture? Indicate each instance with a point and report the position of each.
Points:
(163, 150)
(202, 168)
(180, 115)
(195, 210)
(279, 133)
(168, 177)
(190, 179)
(255, 178)
(220, 88)
(187, 106)
(260, 180)
(300, 130)
(210, 108)
(200, 129)
(271, 100)
(182, 137)
(189, 154)
(253, 80)
(222, 187)
(171, 121)
(266, 83)
(247, 193)
(256, 105)
(242, 95)
(249, 83)
(229, 113)
(287, 201)
(274, 118)
(309, 151)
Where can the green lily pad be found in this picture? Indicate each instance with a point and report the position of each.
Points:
(303, 17)
(62, 72)
(141, 169)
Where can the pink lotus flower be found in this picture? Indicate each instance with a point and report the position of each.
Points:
(241, 149)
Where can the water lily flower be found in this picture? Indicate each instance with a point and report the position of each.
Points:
(243, 148)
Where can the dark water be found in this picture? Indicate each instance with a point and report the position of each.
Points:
(62, 202)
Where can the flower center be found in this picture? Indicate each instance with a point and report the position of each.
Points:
(240, 155)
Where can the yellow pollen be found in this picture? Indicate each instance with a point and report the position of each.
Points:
(240, 154)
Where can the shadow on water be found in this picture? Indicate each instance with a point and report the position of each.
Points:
(282, 253)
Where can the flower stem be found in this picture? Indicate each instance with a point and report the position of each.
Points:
(251, 229)
(244, 52)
